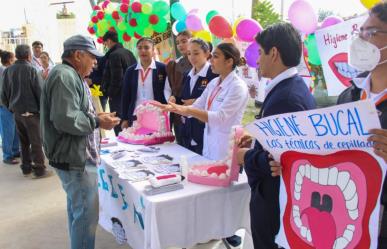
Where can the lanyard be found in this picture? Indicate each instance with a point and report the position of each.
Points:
(37, 61)
(377, 101)
(213, 95)
(144, 75)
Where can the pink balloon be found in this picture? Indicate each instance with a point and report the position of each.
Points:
(331, 20)
(303, 17)
(193, 22)
(247, 29)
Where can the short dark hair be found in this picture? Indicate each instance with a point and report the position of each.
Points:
(145, 39)
(45, 53)
(286, 39)
(37, 43)
(5, 57)
(110, 35)
(230, 51)
(185, 33)
(380, 11)
(22, 52)
(202, 44)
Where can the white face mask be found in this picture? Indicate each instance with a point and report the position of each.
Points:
(364, 55)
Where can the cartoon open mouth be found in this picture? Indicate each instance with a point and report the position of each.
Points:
(330, 199)
(344, 72)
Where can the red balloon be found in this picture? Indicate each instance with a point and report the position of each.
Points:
(100, 14)
(133, 22)
(137, 36)
(220, 27)
(94, 19)
(115, 15)
(124, 8)
(91, 30)
(100, 40)
(125, 2)
(136, 7)
(153, 19)
(126, 37)
(96, 7)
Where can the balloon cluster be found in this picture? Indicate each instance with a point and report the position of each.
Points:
(129, 19)
(217, 27)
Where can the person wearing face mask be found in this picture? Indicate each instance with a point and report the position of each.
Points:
(368, 53)
(194, 83)
(117, 60)
(143, 81)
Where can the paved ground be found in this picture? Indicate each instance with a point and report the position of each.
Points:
(33, 214)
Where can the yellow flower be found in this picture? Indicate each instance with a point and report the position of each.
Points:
(95, 91)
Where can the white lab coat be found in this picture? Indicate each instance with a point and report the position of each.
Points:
(226, 111)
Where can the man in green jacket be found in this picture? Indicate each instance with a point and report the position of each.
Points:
(70, 138)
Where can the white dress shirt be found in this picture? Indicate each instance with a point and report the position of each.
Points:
(225, 111)
(279, 78)
(194, 77)
(145, 89)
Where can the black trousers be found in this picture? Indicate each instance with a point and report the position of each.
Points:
(265, 213)
(115, 106)
(28, 130)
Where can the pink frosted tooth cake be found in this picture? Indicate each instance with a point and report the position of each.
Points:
(219, 173)
(151, 127)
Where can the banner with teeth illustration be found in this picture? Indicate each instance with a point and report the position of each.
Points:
(331, 179)
(333, 44)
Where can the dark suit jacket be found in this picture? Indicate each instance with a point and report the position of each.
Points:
(290, 95)
(194, 128)
(130, 87)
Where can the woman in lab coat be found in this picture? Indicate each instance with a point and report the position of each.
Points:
(222, 103)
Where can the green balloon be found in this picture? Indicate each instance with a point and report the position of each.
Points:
(160, 8)
(161, 26)
(313, 55)
(143, 21)
(121, 26)
(210, 15)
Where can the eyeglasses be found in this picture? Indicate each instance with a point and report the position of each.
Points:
(367, 34)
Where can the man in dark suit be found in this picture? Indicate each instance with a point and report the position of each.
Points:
(280, 52)
(118, 59)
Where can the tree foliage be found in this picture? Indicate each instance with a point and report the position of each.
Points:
(263, 11)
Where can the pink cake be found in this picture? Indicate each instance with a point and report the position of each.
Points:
(151, 127)
(219, 173)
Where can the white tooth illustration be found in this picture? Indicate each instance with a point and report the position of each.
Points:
(222, 176)
(301, 170)
(323, 176)
(303, 231)
(204, 173)
(354, 214)
(352, 204)
(228, 172)
(297, 188)
(296, 211)
(349, 190)
(214, 175)
(340, 243)
(196, 172)
(351, 227)
(298, 179)
(309, 235)
(332, 178)
(228, 163)
(297, 221)
(348, 234)
(314, 174)
(343, 179)
(307, 171)
(297, 195)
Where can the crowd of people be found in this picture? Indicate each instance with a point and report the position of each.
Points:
(46, 110)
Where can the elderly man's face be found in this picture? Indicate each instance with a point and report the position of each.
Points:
(85, 62)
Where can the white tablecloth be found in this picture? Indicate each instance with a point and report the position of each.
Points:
(181, 218)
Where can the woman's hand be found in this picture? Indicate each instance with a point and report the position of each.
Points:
(188, 101)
